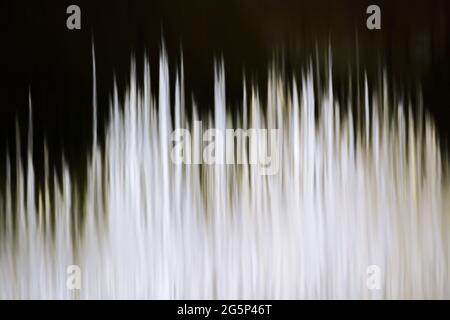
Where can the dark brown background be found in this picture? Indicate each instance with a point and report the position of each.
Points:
(39, 54)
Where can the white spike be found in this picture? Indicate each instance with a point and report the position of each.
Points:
(153, 229)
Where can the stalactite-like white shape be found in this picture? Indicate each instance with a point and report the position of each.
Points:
(345, 197)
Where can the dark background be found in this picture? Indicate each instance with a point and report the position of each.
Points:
(38, 54)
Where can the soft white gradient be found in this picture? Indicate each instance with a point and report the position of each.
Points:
(349, 194)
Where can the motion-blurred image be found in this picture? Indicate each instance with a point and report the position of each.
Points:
(225, 149)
